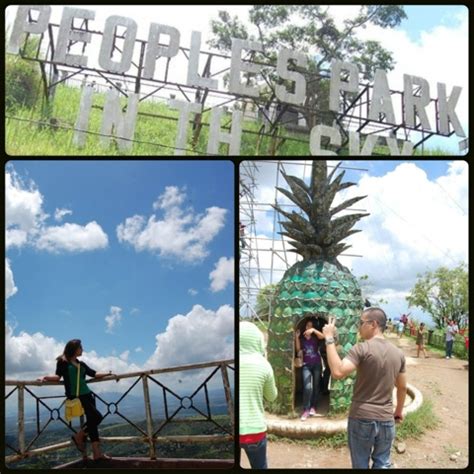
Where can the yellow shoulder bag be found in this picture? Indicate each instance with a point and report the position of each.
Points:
(74, 408)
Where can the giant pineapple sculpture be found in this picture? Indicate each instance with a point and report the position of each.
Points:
(318, 285)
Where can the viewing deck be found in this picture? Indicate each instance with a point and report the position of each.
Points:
(170, 405)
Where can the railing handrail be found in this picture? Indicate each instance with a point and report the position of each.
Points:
(202, 365)
(151, 437)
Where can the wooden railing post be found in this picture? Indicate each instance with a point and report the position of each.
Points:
(21, 418)
(228, 395)
(27, 451)
(149, 420)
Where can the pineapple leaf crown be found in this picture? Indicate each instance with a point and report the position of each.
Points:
(317, 234)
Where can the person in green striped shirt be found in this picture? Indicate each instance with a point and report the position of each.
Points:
(256, 384)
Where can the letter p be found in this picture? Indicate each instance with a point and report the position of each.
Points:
(22, 24)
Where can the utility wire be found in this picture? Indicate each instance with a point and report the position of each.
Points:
(452, 199)
(142, 142)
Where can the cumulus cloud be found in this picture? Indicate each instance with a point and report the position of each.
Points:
(192, 292)
(59, 214)
(124, 355)
(180, 232)
(202, 335)
(10, 288)
(222, 275)
(416, 223)
(113, 319)
(25, 353)
(26, 221)
(23, 209)
(172, 197)
(73, 238)
(134, 311)
(440, 45)
(29, 356)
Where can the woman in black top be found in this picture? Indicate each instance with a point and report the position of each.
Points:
(66, 368)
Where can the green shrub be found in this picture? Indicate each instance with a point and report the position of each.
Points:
(22, 82)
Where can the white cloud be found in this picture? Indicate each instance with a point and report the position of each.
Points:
(30, 353)
(10, 288)
(172, 197)
(113, 319)
(73, 238)
(30, 356)
(202, 335)
(138, 349)
(193, 292)
(23, 209)
(15, 238)
(180, 233)
(415, 224)
(134, 311)
(26, 221)
(59, 214)
(440, 55)
(124, 356)
(222, 275)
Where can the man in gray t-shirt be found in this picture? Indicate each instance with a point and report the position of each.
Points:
(380, 366)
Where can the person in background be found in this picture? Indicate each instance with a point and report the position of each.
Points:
(401, 327)
(451, 330)
(404, 320)
(380, 366)
(420, 340)
(243, 244)
(256, 384)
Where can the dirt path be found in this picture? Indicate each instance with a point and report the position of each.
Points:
(444, 382)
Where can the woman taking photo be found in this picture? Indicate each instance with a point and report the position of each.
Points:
(66, 368)
(309, 346)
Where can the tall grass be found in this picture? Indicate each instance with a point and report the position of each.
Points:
(158, 135)
(417, 423)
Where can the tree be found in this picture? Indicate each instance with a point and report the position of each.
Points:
(442, 293)
(311, 30)
(264, 304)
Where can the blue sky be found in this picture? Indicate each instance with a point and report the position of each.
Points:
(138, 244)
(426, 17)
(418, 222)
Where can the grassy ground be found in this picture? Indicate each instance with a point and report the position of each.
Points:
(157, 136)
(418, 422)
(414, 425)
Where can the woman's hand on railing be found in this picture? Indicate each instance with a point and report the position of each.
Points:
(49, 378)
(101, 375)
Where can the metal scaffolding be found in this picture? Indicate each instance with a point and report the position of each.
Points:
(263, 260)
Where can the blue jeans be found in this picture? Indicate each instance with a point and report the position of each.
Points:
(311, 385)
(449, 348)
(257, 454)
(370, 439)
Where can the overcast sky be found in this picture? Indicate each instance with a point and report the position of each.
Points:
(432, 43)
(418, 222)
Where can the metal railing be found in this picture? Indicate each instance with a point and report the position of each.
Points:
(151, 435)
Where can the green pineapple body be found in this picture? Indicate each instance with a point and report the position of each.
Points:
(319, 288)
